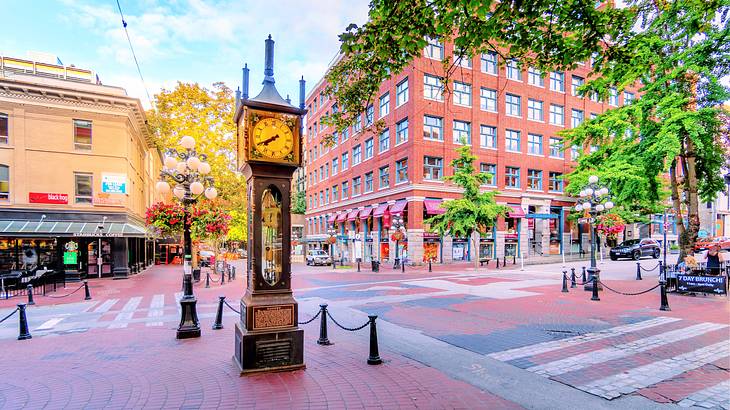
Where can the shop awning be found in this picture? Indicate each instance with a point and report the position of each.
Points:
(365, 213)
(433, 207)
(380, 210)
(331, 219)
(398, 207)
(68, 228)
(352, 215)
(342, 217)
(517, 212)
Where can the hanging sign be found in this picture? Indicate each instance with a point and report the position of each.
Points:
(114, 183)
(47, 198)
(704, 284)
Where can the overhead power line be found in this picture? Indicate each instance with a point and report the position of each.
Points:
(134, 55)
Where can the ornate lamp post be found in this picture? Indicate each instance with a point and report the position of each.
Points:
(189, 171)
(397, 223)
(594, 199)
(332, 232)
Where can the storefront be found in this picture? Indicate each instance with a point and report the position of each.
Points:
(487, 249)
(459, 249)
(366, 222)
(513, 223)
(431, 241)
(381, 218)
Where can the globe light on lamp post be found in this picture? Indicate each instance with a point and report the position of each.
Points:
(397, 222)
(593, 200)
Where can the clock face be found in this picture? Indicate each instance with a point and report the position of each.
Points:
(273, 138)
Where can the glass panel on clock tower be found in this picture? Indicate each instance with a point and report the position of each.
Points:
(271, 227)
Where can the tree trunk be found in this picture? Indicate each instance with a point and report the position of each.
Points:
(691, 200)
(677, 206)
(475, 237)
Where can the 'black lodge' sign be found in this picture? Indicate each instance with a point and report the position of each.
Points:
(705, 284)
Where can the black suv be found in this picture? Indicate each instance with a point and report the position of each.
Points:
(635, 249)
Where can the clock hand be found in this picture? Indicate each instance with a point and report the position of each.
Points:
(268, 140)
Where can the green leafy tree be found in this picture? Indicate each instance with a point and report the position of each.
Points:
(237, 231)
(299, 204)
(475, 210)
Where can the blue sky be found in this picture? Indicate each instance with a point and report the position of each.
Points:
(182, 40)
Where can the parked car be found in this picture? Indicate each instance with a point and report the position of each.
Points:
(318, 257)
(703, 244)
(204, 258)
(635, 249)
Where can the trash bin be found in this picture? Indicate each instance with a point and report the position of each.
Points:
(196, 274)
(376, 266)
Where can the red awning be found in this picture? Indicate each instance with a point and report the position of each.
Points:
(517, 212)
(398, 208)
(365, 213)
(342, 217)
(331, 219)
(352, 215)
(380, 210)
(433, 206)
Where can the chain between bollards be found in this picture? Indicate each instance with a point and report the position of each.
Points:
(565, 282)
(218, 324)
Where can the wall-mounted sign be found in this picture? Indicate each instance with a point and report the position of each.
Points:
(107, 200)
(98, 234)
(47, 198)
(114, 183)
(70, 258)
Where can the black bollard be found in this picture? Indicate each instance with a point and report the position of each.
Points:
(429, 265)
(358, 265)
(504, 261)
(514, 259)
(497, 263)
(374, 357)
(219, 314)
(572, 278)
(665, 300)
(207, 279)
(572, 272)
(565, 282)
(29, 291)
(323, 340)
(87, 295)
(595, 288)
(638, 271)
(189, 325)
(23, 334)
(223, 275)
(584, 275)
(403, 266)
(661, 272)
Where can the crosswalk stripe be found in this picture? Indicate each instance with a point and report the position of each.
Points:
(106, 306)
(639, 377)
(123, 317)
(717, 396)
(157, 307)
(50, 324)
(583, 360)
(90, 306)
(544, 347)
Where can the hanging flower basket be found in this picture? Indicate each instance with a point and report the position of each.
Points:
(397, 236)
(165, 219)
(610, 225)
(331, 240)
(210, 223)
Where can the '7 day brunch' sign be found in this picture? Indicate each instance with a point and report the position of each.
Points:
(704, 284)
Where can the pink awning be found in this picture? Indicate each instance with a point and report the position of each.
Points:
(352, 215)
(365, 213)
(380, 210)
(517, 212)
(342, 217)
(433, 206)
(398, 208)
(331, 219)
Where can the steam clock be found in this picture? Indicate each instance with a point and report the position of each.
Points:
(269, 151)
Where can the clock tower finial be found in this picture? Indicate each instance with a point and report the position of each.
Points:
(269, 94)
(269, 62)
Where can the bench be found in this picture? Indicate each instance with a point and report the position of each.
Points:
(482, 261)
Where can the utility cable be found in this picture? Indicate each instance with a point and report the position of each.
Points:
(134, 55)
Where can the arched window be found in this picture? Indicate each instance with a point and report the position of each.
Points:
(4, 182)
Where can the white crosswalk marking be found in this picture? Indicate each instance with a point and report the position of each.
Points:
(157, 309)
(544, 347)
(90, 306)
(50, 324)
(639, 377)
(580, 361)
(123, 317)
(717, 396)
(106, 306)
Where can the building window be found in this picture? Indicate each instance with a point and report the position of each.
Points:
(433, 168)
(335, 161)
(327, 196)
(345, 190)
(534, 110)
(534, 144)
(401, 93)
(512, 140)
(514, 105)
(321, 173)
(557, 81)
(384, 140)
(384, 104)
(434, 50)
(512, 177)
(4, 129)
(487, 136)
(534, 179)
(345, 134)
(356, 154)
(357, 127)
(488, 99)
(613, 97)
(384, 177)
(369, 182)
(433, 128)
(335, 193)
(4, 182)
(535, 77)
(369, 115)
(369, 148)
(432, 88)
(462, 94)
(345, 161)
(489, 62)
(628, 98)
(557, 115)
(555, 183)
(513, 70)
(356, 185)
(576, 117)
(576, 83)
(556, 147)
(593, 96)
(462, 58)
(401, 131)
(82, 134)
(491, 171)
(321, 198)
(575, 152)
(462, 132)
(84, 191)
(401, 170)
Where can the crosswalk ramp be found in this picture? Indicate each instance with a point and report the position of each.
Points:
(632, 358)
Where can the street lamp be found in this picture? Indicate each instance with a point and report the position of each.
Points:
(332, 232)
(189, 171)
(593, 200)
(397, 223)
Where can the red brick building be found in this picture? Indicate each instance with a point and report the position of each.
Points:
(509, 116)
